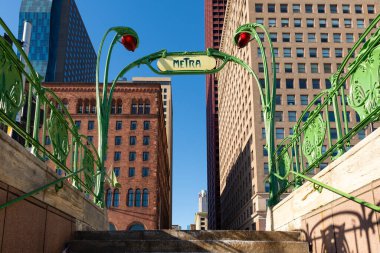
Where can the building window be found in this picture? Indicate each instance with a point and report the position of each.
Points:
(263, 133)
(119, 125)
(346, 8)
(316, 83)
(310, 22)
(299, 37)
(273, 37)
(261, 68)
(326, 52)
(91, 125)
(337, 37)
(145, 171)
(347, 23)
(289, 83)
(296, 8)
(132, 140)
(335, 23)
(108, 198)
(133, 125)
(297, 22)
(284, 22)
(258, 8)
(279, 133)
(300, 52)
(131, 172)
(138, 198)
(324, 37)
(301, 67)
(265, 151)
(145, 198)
(278, 99)
(145, 156)
(134, 107)
(309, 8)
(288, 68)
(360, 23)
(322, 23)
(116, 198)
(314, 68)
(47, 140)
(327, 67)
(358, 8)
(146, 125)
(278, 116)
(147, 107)
(286, 37)
(117, 140)
(146, 140)
(291, 99)
(117, 156)
(303, 83)
(287, 52)
(267, 187)
(271, 8)
(284, 8)
(116, 171)
(130, 198)
(349, 37)
(77, 124)
(132, 156)
(313, 52)
(266, 169)
(90, 139)
(338, 52)
(333, 8)
(272, 22)
(292, 116)
(304, 99)
(311, 37)
(371, 9)
(334, 134)
(321, 8)
(361, 134)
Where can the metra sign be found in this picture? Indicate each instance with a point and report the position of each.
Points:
(186, 63)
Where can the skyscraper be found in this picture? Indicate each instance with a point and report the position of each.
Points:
(202, 201)
(310, 39)
(60, 48)
(214, 16)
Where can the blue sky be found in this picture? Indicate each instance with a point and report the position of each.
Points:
(174, 25)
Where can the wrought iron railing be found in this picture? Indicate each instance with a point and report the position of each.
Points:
(49, 132)
(300, 153)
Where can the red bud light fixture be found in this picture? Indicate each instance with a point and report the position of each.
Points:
(243, 39)
(129, 42)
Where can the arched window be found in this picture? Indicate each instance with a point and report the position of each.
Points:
(116, 198)
(130, 197)
(65, 103)
(141, 107)
(147, 107)
(80, 106)
(108, 198)
(134, 107)
(119, 106)
(145, 198)
(138, 198)
(93, 106)
(136, 227)
(113, 107)
(86, 106)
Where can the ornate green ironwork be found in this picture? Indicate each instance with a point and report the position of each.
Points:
(59, 126)
(364, 95)
(313, 139)
(11, 89)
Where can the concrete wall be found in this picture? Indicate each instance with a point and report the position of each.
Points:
(45, 222)
(332, 223)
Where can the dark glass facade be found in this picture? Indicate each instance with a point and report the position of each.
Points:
(60, 48)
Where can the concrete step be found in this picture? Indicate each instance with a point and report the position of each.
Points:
(241, 246)
(188, 235)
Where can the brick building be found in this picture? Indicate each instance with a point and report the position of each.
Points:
(137, 150)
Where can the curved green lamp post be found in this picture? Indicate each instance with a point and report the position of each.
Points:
(129, 38)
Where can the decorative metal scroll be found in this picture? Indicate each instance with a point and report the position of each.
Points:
(364, 95)
(284, 164)
(59, 137)
(313, 139)
(11, 89)
(88, 165)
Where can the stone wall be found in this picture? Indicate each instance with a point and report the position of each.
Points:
(329, 222)
(46, 221)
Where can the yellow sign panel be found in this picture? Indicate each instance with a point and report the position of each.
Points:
(186, 63)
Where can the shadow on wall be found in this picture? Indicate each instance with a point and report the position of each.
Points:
(343, 231)
(236, 195)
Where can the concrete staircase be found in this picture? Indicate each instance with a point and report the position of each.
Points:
(187, 241)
